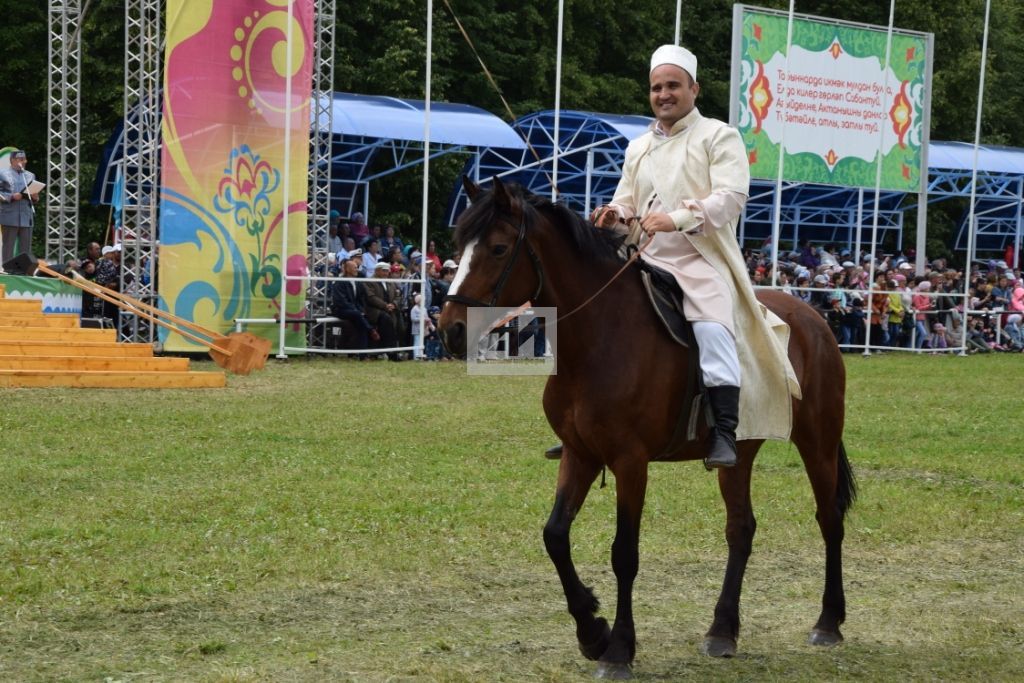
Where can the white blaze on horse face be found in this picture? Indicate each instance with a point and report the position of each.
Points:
(463, 271)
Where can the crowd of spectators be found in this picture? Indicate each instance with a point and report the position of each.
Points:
(382, 301)
(900, 308)
(381, 304)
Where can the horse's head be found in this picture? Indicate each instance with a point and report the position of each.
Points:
(499, 265)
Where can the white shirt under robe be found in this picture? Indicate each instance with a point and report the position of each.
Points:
(699, 174)
(703, 178)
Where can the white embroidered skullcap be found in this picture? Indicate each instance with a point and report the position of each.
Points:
(676, 55)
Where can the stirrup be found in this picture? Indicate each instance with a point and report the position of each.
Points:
(554, 453)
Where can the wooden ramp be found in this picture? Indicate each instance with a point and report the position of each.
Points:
(53, 350)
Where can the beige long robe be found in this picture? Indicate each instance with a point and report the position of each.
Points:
(674, 173)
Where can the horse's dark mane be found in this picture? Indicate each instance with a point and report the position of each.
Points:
(588, 243)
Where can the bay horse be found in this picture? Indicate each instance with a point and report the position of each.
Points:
(617, 395)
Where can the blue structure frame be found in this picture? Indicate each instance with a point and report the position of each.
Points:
(592, 147)
(375, 136)
(999, 193)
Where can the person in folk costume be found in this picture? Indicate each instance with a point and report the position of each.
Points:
(687, 180)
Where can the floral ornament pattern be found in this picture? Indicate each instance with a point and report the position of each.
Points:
(245, 193)
(237, 75)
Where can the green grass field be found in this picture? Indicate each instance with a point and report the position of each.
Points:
(327, 520)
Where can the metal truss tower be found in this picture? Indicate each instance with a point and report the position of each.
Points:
(63, 122)
(141, 163)
(319, 204)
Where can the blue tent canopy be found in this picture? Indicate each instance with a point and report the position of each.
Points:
(390, 118)
(363, 126)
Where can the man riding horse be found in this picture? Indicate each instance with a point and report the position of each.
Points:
(687, 180)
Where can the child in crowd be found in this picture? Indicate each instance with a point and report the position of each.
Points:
(937, 340)
(434, 349)
(416, 314)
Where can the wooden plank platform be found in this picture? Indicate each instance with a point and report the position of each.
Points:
(52, 350)
(112, 379)
(66, 363)
(57, 334)
(17, 306)
(20, 347)
(60, 320)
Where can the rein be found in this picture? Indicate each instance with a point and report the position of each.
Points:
(630, 261)
(539, 270)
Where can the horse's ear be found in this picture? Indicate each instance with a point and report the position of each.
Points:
(472, 189)
(502, 199)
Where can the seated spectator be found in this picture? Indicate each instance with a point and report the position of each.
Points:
(371, 254)
(1000, 294)
(348, 302)
(381, 310)
(390, 241)
(976, 342)
(91, 306)
(356, 255)
(348, 245)
(820, 297)
(434, 348)
(1017, 296)
(334, 243)
(358, 228)
(1012, 331)
(808, 257)
(800, 292)
(937, 340)
(432, 255)
(108, 274)
(827, 255)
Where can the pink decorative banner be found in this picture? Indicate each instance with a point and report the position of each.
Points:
(223, 186)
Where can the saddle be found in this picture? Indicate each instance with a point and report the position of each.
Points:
(666, 298)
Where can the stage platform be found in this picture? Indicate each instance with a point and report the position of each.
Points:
(51, 349)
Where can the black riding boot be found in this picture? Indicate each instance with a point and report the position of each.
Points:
(725, 405)
(554, 453)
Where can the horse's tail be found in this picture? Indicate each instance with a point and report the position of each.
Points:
(846, 485)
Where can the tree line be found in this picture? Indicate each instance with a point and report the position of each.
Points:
(380, 47)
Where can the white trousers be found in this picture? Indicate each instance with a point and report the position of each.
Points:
(719, 363)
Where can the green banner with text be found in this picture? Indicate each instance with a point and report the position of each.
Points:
(834, 102)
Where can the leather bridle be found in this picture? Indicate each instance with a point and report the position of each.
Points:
(503, 279)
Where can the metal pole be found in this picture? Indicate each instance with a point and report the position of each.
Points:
(586, 195)
(777, 209)
(425, 206)
(860, 225)
(558, 102)
(679, 15)
(878, 180)
(286, 197)
(974, 176)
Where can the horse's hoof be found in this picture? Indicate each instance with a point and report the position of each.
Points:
(596, 648)
(610, 671)
(717, 646)
(824, 638)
